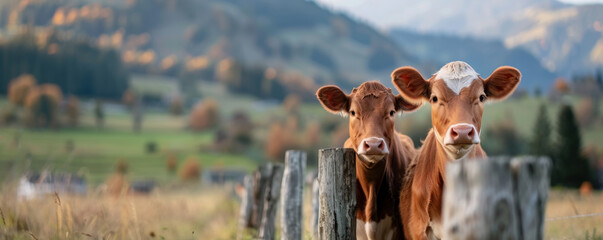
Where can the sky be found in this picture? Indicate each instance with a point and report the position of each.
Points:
(373, 11)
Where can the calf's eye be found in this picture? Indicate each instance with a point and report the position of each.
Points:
(434, 99)
(353, 113)
(482, 98)
(391, 113)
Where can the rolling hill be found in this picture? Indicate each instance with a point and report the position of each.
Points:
(483, 55)
(169, 37)
(567, 39)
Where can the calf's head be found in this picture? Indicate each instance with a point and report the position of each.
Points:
(457, 95)
(371, 108)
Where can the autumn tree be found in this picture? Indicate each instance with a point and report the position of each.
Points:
(176, 105)
(190, 170)
(204, 115)
(73, 111)
(291, 104)
(42, 104)
(128, 97)
(586, 112)
(19, 88)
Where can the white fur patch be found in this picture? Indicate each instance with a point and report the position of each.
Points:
(371, 229)
(457, 75)
(436, 230)
(375, 230)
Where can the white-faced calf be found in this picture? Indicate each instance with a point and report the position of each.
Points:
(457, 95)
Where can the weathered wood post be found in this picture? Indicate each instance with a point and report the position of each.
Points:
(495, 198)
(532, 175)
(292, 195)
(337, 190)
(315, 203)
(245, 209)
(271, 197)
(260, 179)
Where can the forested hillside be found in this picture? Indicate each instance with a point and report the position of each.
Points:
(293, 46)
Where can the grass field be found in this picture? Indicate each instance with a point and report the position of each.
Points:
(207, 213)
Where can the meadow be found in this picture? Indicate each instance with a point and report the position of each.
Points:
(208, 213)
(178, 210)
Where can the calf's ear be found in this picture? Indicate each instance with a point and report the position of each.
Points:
(502, 82)
(403, 105)
(333, 99)
(411, 85)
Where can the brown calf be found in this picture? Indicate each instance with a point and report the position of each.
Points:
(383, 154)
(457, 95)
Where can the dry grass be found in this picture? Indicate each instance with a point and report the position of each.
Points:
(568, 203)
(209, 213)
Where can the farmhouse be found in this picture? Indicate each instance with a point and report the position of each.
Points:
(37, 185)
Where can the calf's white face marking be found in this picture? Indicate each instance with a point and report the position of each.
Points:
(457, 75)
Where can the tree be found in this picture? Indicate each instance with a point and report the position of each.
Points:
(190, 170)
(73, 111)
(128, 97)
(99, 113)
(19, 88)
(570, 167)
(541, 142)
(137, 112)
(291, 104)
(204, 115)
(42, 104)
(586, 112)
(176, 105)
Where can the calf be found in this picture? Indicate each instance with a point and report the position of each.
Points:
(457, 95)
(383, 154)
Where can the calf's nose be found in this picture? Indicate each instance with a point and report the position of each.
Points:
(373, 146)
(462, 134)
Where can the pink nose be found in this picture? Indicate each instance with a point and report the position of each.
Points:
(373, 146)
(462, 134)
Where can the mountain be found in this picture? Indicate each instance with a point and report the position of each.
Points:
(483, 55)
(182, 37)
(567, 39)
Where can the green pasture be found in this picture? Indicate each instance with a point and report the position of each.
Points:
(96, 151)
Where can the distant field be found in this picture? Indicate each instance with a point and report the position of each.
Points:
(96, 152)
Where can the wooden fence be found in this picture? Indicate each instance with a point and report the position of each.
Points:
(497, 198)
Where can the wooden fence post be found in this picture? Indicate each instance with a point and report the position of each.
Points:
(495, 198)
(260, 179)
(532, 175)
(337, 190)
(292, 195)
(246, 203)
(270, 201)
(315, 203)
